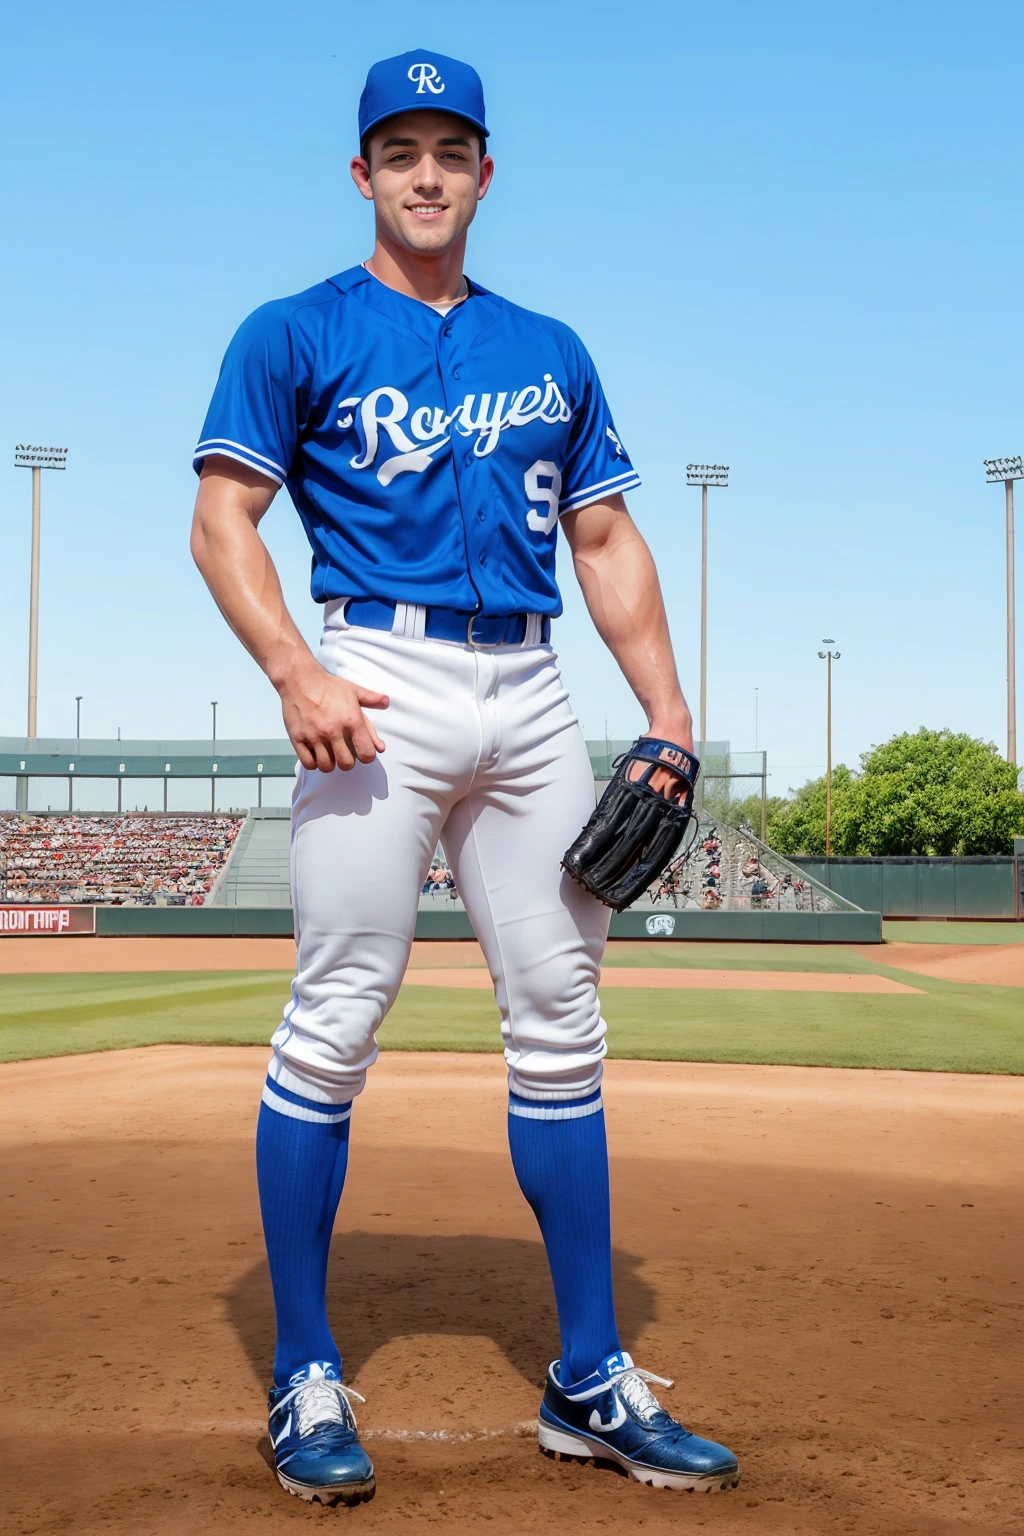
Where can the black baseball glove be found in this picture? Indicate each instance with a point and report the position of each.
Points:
(635, 830)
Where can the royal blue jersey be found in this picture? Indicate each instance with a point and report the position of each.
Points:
(428, 457)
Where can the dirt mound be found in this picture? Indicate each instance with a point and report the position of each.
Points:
(827, 1262)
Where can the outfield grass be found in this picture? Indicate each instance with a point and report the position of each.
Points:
(750, 957)
(994, 932)
(948, 1026)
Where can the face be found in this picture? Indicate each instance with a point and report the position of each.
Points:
(425, 178)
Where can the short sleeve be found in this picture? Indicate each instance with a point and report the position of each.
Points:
(253, 415)
(597, 465)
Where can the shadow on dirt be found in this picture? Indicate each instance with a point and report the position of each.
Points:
(387, 1285)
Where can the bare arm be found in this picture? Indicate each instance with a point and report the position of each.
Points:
(323, 715)
(621, 589)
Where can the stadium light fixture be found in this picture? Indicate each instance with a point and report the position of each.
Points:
(1009, 470)
(705, 475)
(830, 656)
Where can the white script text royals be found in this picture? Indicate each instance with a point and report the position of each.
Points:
(486, 416)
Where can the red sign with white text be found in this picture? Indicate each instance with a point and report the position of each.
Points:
(23, 918)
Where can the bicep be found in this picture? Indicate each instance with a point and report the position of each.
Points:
(228, 489)
(598, 527)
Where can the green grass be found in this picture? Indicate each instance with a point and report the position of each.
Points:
(947, 1027)
(1000, 932)
(749, 957)
(63, 1015)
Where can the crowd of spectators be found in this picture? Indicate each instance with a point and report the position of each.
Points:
(136, 860)
(722, 870)
(440, 882)
(694, 879)
(725, 870)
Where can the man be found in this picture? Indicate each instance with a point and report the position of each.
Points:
(433, 438)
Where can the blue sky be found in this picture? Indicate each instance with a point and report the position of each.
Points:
(790, 234)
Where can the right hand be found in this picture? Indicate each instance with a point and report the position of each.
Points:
(324, 718)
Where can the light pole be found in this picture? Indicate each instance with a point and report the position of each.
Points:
(1009, 470)
(705, 475)
(830, 656)
(213, 781)
(78, 742)
(30, 456)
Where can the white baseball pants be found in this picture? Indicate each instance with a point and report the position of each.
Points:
(483, 752)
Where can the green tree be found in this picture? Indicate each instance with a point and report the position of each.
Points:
(747, 809)
(923, 792)
(798, 826)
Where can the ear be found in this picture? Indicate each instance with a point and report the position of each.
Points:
(486, 177)
(360, 172)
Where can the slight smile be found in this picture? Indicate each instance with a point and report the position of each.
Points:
(428, 210)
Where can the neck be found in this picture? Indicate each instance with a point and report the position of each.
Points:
(434, 277)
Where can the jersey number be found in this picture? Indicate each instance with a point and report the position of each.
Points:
(543, 522)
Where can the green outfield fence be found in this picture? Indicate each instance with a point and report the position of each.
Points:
(267, 922)
(980, 887)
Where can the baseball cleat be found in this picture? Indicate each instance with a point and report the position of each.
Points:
(612, 1415)
(313, 1432)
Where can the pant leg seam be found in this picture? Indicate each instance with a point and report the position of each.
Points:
(494, 930)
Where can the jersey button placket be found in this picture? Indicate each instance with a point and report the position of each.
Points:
(450, 370)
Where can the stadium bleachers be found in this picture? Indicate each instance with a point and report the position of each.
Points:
(724, 869)
(234, 861)
(135, 860)
(257, 873)
(728, 869)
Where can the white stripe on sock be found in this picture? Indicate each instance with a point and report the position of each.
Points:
(298, 1111)
(568, 1112)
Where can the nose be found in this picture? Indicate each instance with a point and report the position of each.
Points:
(428, 176)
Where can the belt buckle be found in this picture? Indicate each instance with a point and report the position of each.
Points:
(480, 645)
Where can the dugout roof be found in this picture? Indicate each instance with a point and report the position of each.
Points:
(61, 757)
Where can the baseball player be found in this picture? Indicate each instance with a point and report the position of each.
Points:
(434, 438)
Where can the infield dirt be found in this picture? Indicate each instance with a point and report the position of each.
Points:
(991, 965)
(828, 1262)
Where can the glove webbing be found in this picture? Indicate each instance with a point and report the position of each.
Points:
(637, 836)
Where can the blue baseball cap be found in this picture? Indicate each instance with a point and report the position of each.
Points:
(421, 79)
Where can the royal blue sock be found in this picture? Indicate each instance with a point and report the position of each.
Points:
(560, 1157)
(301, 1157)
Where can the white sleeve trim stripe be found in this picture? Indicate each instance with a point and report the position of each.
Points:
(210, 442)
(225, 453)
(602, 485)
(597, 492)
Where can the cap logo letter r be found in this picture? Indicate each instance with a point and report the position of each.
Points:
(426, 78)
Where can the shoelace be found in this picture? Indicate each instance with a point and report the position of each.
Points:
(320, 1402)
(632, 1387)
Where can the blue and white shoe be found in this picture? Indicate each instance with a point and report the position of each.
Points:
(613, 1415)
(313, 1432)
